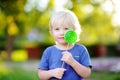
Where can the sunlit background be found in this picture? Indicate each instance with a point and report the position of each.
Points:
(24, 34)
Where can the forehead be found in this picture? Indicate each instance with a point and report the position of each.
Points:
(63, 21)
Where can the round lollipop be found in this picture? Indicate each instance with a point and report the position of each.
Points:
(70, 36)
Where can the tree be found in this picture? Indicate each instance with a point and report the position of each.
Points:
(10, 25)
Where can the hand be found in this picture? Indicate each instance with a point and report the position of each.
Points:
(58, 72)
(67, 57)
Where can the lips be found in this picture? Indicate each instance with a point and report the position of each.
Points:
(60, 37)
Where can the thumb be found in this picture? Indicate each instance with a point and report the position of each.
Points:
(64, 69)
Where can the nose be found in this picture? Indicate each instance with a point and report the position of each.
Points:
(62, 32)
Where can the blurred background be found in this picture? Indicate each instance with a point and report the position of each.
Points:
(24, 34)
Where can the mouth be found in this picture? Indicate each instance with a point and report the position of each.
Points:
(60, 37)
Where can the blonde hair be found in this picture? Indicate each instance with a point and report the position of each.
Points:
(68, 17)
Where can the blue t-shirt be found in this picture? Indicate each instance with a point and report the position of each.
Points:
(51, 59)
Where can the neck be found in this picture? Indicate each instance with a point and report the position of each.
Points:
(64, 46)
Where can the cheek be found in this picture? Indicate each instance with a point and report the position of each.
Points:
(54, 34)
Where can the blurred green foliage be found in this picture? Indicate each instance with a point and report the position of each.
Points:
(28, 19)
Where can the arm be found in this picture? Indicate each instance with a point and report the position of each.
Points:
(47, 74)
(44, 75)
(81, 70)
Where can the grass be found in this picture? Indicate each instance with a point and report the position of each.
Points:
(21, 74)
(105, 75)
(18, 74)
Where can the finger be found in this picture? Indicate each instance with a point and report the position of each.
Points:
(65, 52)
(59, 77)
(63, 58)
(60, 73)
(64, 69)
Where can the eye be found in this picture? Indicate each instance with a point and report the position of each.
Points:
(66, 28)
(56, 28)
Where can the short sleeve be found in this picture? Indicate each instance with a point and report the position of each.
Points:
(85, 59)
(43, 64)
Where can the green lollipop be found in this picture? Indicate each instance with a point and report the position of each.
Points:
(70, 36)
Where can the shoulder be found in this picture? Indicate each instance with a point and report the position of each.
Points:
(50, 48)
(80, 46)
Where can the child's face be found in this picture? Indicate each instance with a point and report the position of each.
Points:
(59, 30)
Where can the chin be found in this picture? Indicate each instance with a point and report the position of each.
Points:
(62, 42)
